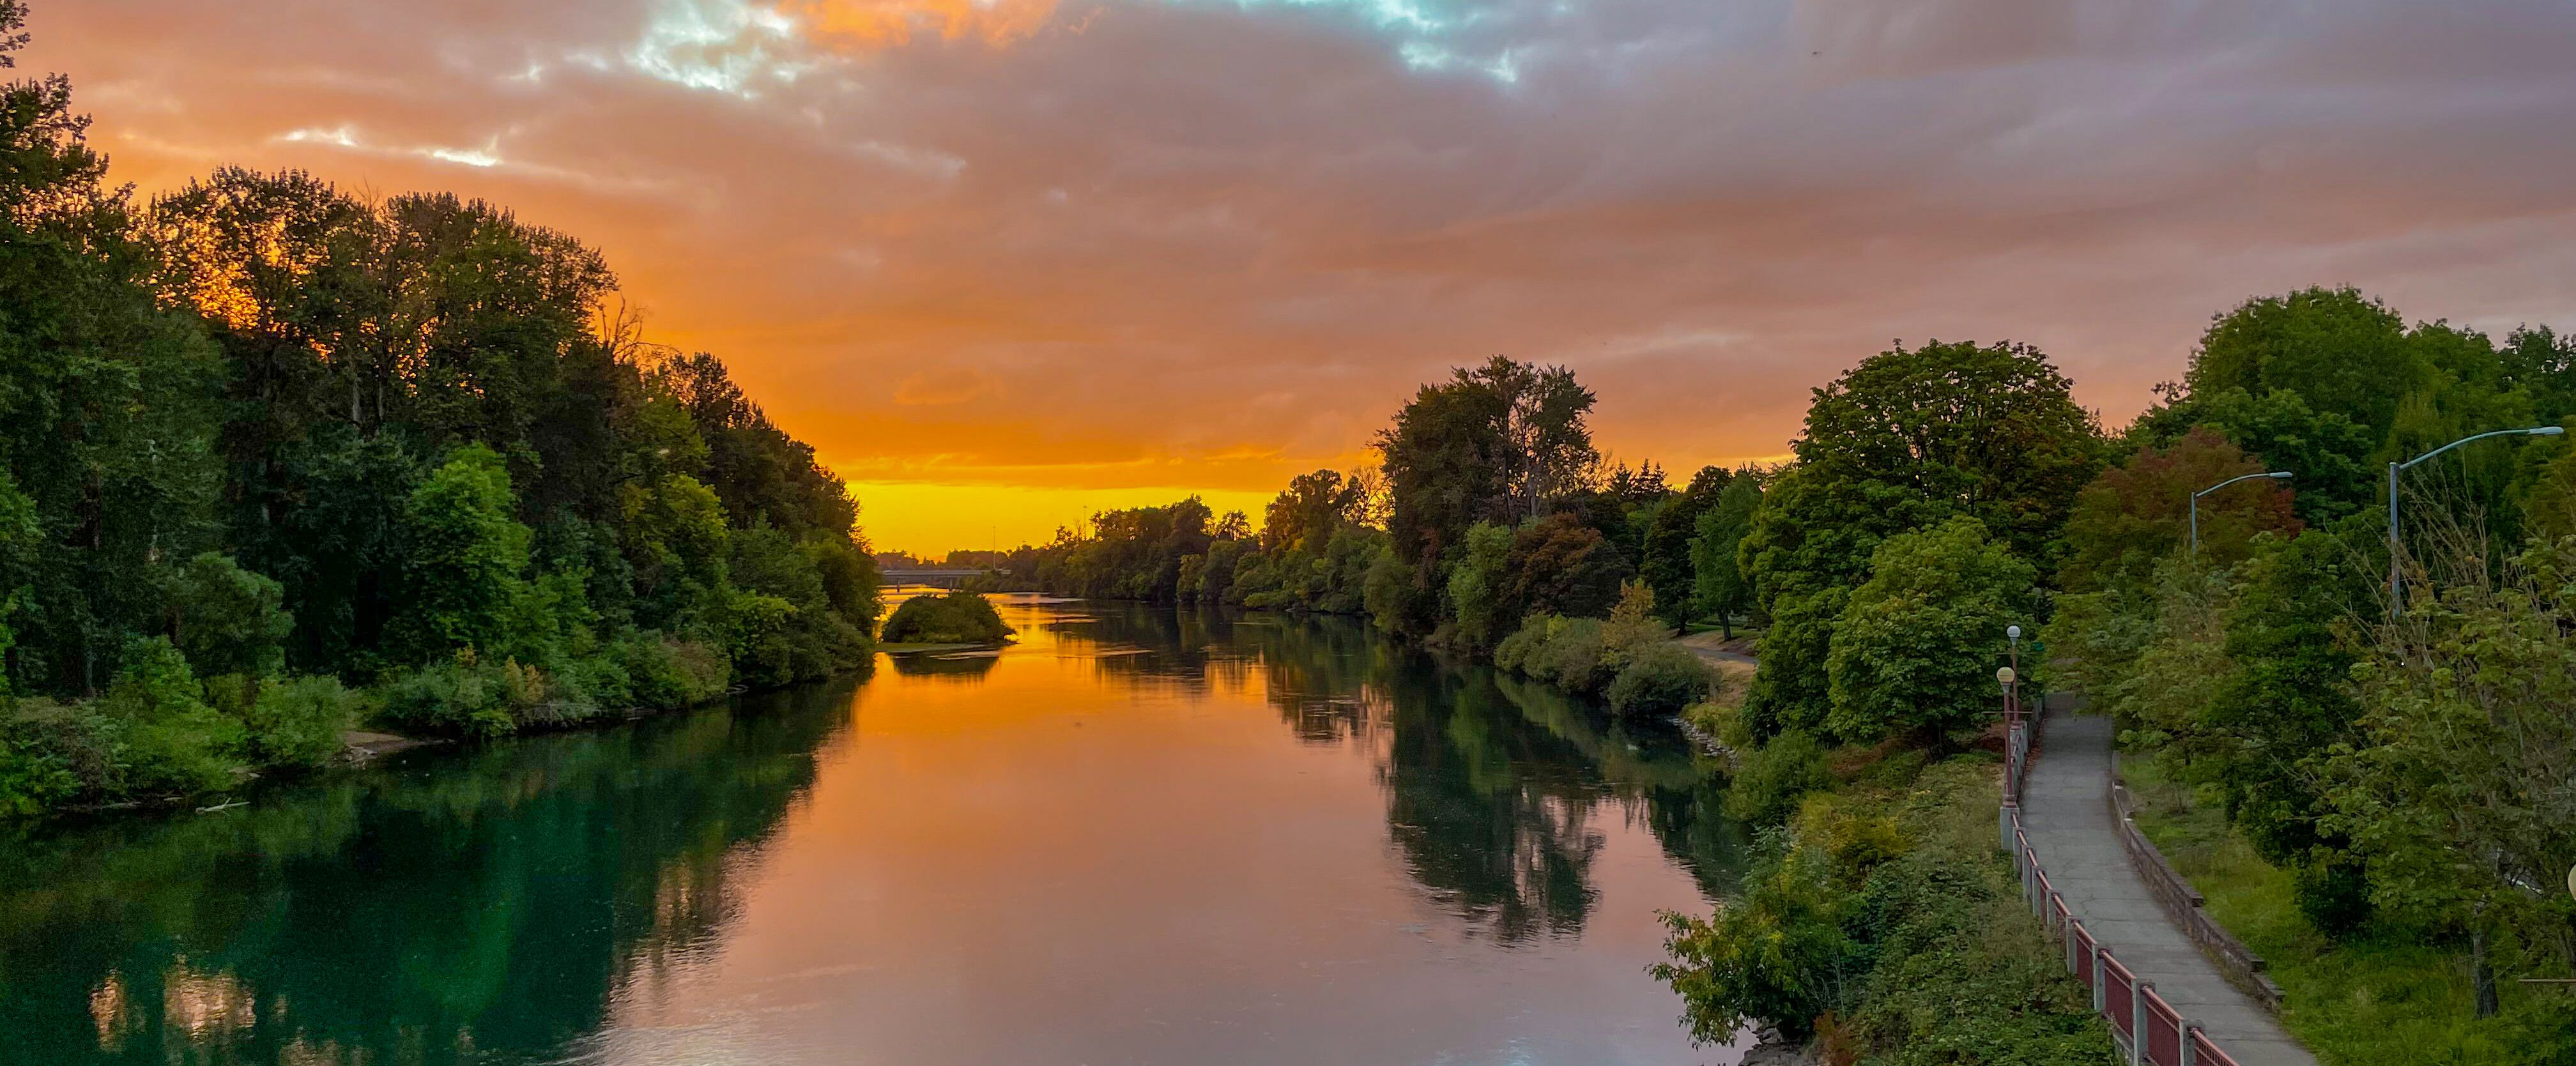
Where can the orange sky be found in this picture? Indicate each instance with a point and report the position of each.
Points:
(1005, 261)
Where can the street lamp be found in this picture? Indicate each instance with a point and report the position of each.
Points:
(2007, 675)
(2195, 501)
(2395, 604)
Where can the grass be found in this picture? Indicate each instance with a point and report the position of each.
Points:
(2388, 996)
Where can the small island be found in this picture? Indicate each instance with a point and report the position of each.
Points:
(948, 622)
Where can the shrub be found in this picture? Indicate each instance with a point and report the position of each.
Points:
(1515, 653)
(298, 722)
(169, 740)
(959, 617)
(664, 674)
(454, 699)
(1770, 779)
(1574, 657)
(1660, 680)
(31, 778)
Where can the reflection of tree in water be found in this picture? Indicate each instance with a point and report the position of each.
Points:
(943, 667)
(481, 906)
(1491, 782)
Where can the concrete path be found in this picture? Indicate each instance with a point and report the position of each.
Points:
(2066, 811)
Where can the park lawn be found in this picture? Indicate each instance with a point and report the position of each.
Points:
(2392, 996)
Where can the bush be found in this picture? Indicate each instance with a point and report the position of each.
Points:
(1574, 658)
(298, 722)
(168, 739)
(32, 779)
(1516, 652)
(959, 617)
(451, 699)
(662, 674)
(1660, 680)
(1770, 779)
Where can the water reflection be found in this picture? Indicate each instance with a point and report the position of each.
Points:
(1003, 825)
(454, 909)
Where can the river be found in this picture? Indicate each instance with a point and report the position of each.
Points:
(1135, 836)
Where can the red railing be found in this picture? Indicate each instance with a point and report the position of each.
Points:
(2131, 1006)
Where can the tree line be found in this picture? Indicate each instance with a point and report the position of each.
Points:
(276, 457)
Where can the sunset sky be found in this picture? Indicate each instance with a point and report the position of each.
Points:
(1007, 261)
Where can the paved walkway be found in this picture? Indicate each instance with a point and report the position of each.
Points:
(2066, 812)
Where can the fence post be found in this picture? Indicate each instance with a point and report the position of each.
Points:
(2139, 1018)
(2003, 829)
(2074, 964)
(2190, 1056)
(2056, 901)
(2100, 1002)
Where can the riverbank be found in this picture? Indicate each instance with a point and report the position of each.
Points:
(1881, 920)
(2392, 998)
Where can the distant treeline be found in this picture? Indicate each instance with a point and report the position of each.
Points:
(275, 457)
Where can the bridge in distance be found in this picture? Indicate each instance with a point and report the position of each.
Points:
(938, 579)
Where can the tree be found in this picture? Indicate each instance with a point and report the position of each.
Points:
(1561, 566)
(1666, 563)
(1309, 511)
(2328, 452)
(466, 573)
(1915, 649)
(2288, 701)
(1499, 443)
(1480, 584)
(2457, 788)
(1906, 440)
(227, 620)
(2138, 514)
(1719, 585)
(2342, 352)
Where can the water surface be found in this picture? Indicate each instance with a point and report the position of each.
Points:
(1138, 836)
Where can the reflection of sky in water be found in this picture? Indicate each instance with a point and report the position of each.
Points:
(1135, 836)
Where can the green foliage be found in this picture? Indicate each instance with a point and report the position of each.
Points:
(1770, 780)
(298, 722)
(1479, 584)
(2138, 514)
(227, 620)
(1906, 440)
(466, 576)
(1914, 651)
(1883, 925)
(1499, 443)
(2453, 787)
(2344, 353)
(167, 740)
(954, 618)
(1660, 680)
(2329, 452)
(458, 699)
(1720, 585)
(1778, 955)
(1670, 561)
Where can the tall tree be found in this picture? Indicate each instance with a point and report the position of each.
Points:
(1905, 440)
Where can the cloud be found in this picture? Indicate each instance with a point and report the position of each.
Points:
(876, 24)
(1216, 242)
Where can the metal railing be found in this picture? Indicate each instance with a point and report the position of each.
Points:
(2131, 1006)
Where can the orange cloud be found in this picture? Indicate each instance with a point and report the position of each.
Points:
(890, 23)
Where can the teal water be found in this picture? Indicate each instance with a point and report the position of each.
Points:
(1135, 837)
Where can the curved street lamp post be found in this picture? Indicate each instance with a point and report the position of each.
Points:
(2396, 602)
(2195, 501)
